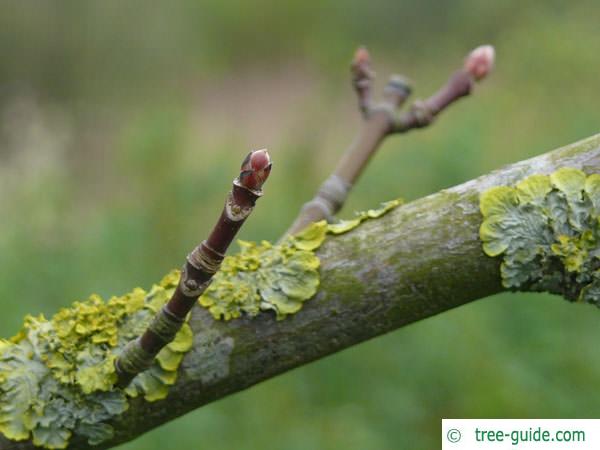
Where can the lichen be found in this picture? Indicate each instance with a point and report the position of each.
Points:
(209, 359)
(278, 278)
(57, 376)
(547, 230)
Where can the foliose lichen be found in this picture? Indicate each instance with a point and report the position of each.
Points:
(547, 230)
(57, 375)
(280, 278)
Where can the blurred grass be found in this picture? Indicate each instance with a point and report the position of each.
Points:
(121, 126)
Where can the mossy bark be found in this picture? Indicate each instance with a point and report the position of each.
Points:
(418, 260)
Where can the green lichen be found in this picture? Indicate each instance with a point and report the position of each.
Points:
(279, 278)
(344, 226)
(547, 230)
(57, 375)
(264, 277)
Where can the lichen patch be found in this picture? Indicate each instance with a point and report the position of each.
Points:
(278, 278)
(209, 359)
(547, 231)
(57, 375)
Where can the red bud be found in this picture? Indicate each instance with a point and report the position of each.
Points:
(255, 170)
(480, 61)
(361, 64)
(361, 56)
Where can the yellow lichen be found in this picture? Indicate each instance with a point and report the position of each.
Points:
(265, 277)
(280, 278)
(547, 230)
(58, 375)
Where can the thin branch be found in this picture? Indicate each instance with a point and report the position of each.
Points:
(381, 120)
(200, 266)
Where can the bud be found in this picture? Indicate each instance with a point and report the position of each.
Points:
(361, 56)
(480, 61)
(361, 64)
(255, 170)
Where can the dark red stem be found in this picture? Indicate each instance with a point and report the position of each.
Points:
(200, 266)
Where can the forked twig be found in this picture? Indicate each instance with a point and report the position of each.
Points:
(382, 119)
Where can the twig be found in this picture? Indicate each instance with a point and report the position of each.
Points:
(381, 120)
(477, 65)
(362, 79)
(201, 264)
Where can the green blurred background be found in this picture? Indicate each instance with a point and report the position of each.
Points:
(122, 124)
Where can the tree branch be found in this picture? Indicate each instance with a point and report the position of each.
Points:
(381, 120)
(420, 259)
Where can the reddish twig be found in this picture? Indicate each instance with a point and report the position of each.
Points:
(201, 264)
(381, 120)
(478, 65)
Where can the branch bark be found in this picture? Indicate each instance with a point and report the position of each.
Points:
(420, 259)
